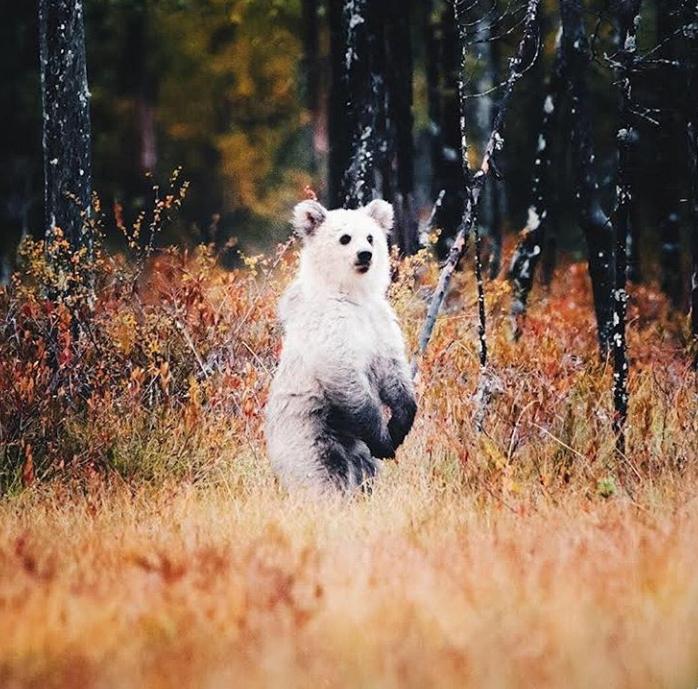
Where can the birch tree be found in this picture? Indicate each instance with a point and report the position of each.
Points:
(627, 15)
(66, 119)
(474, 183)
(530, 248)
(371, 120)
(595, 224)
(355, 97)
(483, 115)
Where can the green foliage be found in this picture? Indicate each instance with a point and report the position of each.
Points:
(607, 487)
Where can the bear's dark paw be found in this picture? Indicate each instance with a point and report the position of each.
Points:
(401, 422)
(382, 448)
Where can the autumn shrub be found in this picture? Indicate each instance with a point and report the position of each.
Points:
(111, 361)
(155, 365)
(528, 554)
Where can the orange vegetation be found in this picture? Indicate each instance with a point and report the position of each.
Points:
(144, 542)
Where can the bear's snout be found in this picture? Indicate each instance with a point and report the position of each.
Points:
(363, 259)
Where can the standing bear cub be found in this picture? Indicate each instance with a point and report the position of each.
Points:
(342, 397)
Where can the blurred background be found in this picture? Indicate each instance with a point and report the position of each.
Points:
(237, 93)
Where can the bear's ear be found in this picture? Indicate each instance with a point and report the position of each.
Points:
(307, 217)
(382, 212)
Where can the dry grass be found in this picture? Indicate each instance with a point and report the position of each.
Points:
(415, 586)
(530, 556)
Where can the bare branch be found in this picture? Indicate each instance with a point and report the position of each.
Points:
(475, 183)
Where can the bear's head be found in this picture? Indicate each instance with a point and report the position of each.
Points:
(344, 251)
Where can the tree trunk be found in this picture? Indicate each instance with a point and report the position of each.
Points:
(595, 224)
(313, 82)
(399, 75)
(474, 184)
(628, 20)
(66, 119)
(5, 266)
(483, 116)
(694, 243)
(500, 194)
(447, 160)
(356, 95)
(692, 131)
(371, 119)
(340, 140)
(432, 46)
(534, 236)
(15, 219)
(140, 85)
(690, 19)
(669, 140)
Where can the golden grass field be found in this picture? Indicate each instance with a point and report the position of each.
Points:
(528, 556)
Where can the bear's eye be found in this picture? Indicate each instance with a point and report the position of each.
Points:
(344, 239)
(369, 239)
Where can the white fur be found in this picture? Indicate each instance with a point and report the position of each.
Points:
(337, 325)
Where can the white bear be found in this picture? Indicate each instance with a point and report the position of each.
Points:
(343, 367)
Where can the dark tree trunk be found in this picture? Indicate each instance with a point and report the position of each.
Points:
(533, 241)
(500, 195)
(371, 119)
(473, 191)
(357, 91)
(384, 137)
(433, 45)
(690, 108)
(340, 139)
(669, 140)
(627, 14)
(595, 224)
(399, 92)
(66, 110)
(483, 117)
(693, 142)
(447, 160)
(15, 220)
(694, 271)
(633, 270)
(313, 81)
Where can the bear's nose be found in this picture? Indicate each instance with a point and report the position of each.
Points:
(364, 257)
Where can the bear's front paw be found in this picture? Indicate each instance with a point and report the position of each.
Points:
(383, 448)
(397, 432)
(401, 422)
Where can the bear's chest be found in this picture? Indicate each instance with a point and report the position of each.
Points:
(355, 328)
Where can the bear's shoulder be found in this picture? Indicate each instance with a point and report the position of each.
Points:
(290, 303)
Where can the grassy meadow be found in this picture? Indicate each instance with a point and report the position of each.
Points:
(144, 542)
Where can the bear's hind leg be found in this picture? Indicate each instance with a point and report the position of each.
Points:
(348, 463)
(336, 462)
(364, 465)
